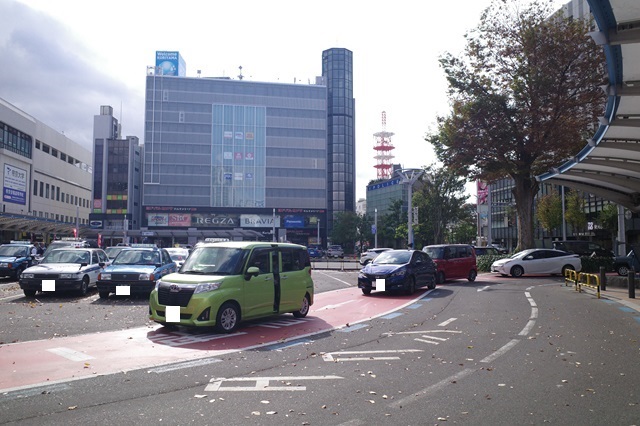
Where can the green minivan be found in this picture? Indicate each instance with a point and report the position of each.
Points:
(223, 283)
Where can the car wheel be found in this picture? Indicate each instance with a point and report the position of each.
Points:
(29, 293)
(472, 275)
(228, 318)
(84, 286)
(432, 283)
(517, 271)
(565, 268)
(304, 309)
(103, 294)
(18, 273)
(366, 291)
(623, 270)
(412, 286)
(440, 277)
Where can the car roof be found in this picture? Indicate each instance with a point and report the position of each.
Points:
(248, 244)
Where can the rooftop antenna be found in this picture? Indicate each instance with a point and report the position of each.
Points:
(240, 76)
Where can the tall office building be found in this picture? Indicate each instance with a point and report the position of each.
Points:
(116, 179)
(337, 69)
(224, 157)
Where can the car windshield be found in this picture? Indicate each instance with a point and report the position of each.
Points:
(137, 257)
(215, 261)
(15, 251)
(393, 258)
(112, 252)
(521, 254)
(67, 256)
(435, 252)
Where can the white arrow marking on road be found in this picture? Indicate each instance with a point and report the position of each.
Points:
(262, 383)
(337, 305)
(483, 288)
(329, 356)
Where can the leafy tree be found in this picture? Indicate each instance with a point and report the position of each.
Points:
(608, 219)
(574, 214)
(549, 211)
(392, 227)
(440, 202)
(363, 231)
(345, 230)
(525, 96)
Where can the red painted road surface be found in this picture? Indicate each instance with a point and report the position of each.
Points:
(42, 362)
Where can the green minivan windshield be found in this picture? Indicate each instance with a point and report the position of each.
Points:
(215, 261)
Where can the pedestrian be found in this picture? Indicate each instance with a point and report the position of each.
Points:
(40, 250)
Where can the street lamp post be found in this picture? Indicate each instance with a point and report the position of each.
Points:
(375, 224)
(410, 176)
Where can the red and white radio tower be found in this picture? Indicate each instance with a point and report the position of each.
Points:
(383, 149)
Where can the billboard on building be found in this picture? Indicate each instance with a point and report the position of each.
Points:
(170, 63)
(14, 187)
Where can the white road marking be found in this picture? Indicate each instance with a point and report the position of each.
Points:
(315, 271)
(70, 354)
(262, 383)
(337, 305)
(188, 364)
(500, 351)
(447, 322)
(433, 340)
(483, 288)
(426, 331)
(329, 357)
(431, 389)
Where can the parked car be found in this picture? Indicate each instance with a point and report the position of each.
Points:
(70, 242)
(393, 270)
(314, 253)
(583, 248)
(69, 269)
(371, 254)
(137, 267)
(623, 264)
(15, 257)
(113, 251)
(487, 251)
(178, 255)
(537, 261)
(222, 284)
(335, 251)
(453, 261)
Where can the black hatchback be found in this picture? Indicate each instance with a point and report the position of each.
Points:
(398, 270)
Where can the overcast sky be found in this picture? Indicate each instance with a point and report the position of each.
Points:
(63, 59)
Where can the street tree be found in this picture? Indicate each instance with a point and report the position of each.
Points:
(525, 95)
(549, 211)
(345, 230)
(440, 199)
(574, 214)
(608, 219)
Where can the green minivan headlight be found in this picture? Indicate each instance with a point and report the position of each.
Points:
(205, 287)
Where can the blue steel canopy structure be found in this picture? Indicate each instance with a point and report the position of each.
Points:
(609, 165)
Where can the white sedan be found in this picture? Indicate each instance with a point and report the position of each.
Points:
(537, 261)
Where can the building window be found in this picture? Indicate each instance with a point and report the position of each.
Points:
(45, 148)
(63, 156)
(35, 187)
(54, 152)
(41, 189)
(46, 192)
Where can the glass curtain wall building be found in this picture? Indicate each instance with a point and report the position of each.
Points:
(219, 150)
(337, 69)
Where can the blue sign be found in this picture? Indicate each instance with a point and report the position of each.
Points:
(14, 196)
(294, 222)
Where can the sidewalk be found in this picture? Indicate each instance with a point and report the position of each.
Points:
(618, 293)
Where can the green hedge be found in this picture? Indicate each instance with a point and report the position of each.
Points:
(484, 262)
(592, 265)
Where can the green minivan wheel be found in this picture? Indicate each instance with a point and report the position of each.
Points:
(304, 310)
(228, 318)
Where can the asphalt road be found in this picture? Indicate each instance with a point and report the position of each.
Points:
(497, 351)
